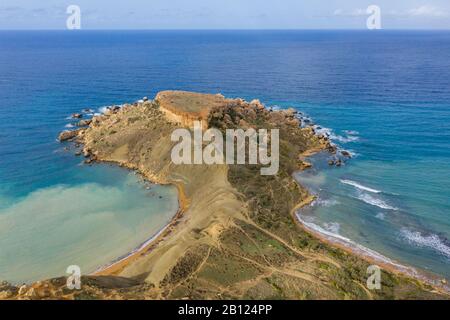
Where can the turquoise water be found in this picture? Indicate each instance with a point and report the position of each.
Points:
(89, 224)
(393, 196)
(384, 94)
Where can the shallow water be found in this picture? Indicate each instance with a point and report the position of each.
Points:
(88, 224)
(385, 94)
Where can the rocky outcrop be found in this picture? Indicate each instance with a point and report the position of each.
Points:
(84, 123)
(68, 135)
(235, 235)
(186, 107)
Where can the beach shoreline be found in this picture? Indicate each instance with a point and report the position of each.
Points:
(347, 245)
(224, 222)
(116, 266)
(365, 253)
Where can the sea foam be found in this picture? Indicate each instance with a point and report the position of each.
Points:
(367, 198)
(325, 202)
(333, 227)
(335, 237)
(333, 136)
(431, 241)
(359, 186)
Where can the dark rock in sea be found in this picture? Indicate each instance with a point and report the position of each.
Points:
(346, 153)
(78, 153)
(331, 148)
(88, 161)
(331, 162)
(145, 99)
(67, 135)
(77, 116)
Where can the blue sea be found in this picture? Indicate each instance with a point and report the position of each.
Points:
(382, 95)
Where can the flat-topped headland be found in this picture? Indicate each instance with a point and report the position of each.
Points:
(236, 235)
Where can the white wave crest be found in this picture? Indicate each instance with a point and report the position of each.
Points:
(329, 235)
(102, 109)
(343, 139)
(333, 227)
(69, 125)
(325, 202)
(431, 241)
(367, 198)
(330, 134)
(359, 186)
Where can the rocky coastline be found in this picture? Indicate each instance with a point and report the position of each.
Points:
(235, 235)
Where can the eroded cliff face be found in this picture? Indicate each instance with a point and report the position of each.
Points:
(235, 235)
(185, 107)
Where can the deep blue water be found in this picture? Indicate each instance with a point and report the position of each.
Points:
(385, 95)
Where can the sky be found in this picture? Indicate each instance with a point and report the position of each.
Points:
(224, 14)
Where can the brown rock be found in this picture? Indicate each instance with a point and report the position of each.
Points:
(77, 116)
(5, 294)
(83, 123)
(291, 112)
(23, 289)
(67, 135)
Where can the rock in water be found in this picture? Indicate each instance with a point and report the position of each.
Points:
(346, 153)
(77, 116)
(67, 135)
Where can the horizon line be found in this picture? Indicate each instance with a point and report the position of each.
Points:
(231, 29)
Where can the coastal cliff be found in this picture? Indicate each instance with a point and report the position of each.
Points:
(235, 235)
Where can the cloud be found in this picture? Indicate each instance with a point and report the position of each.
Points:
(424, 11)
(19, 12)
(427, 11)
(350, 13)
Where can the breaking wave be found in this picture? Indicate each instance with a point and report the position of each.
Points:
(325, 202)
(102, 109)
(333, 136)
(359, 186)
(333, 227)
(356, 247)
(431, 241)
(367, 198)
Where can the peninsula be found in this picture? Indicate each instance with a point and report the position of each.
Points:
(236, 235)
